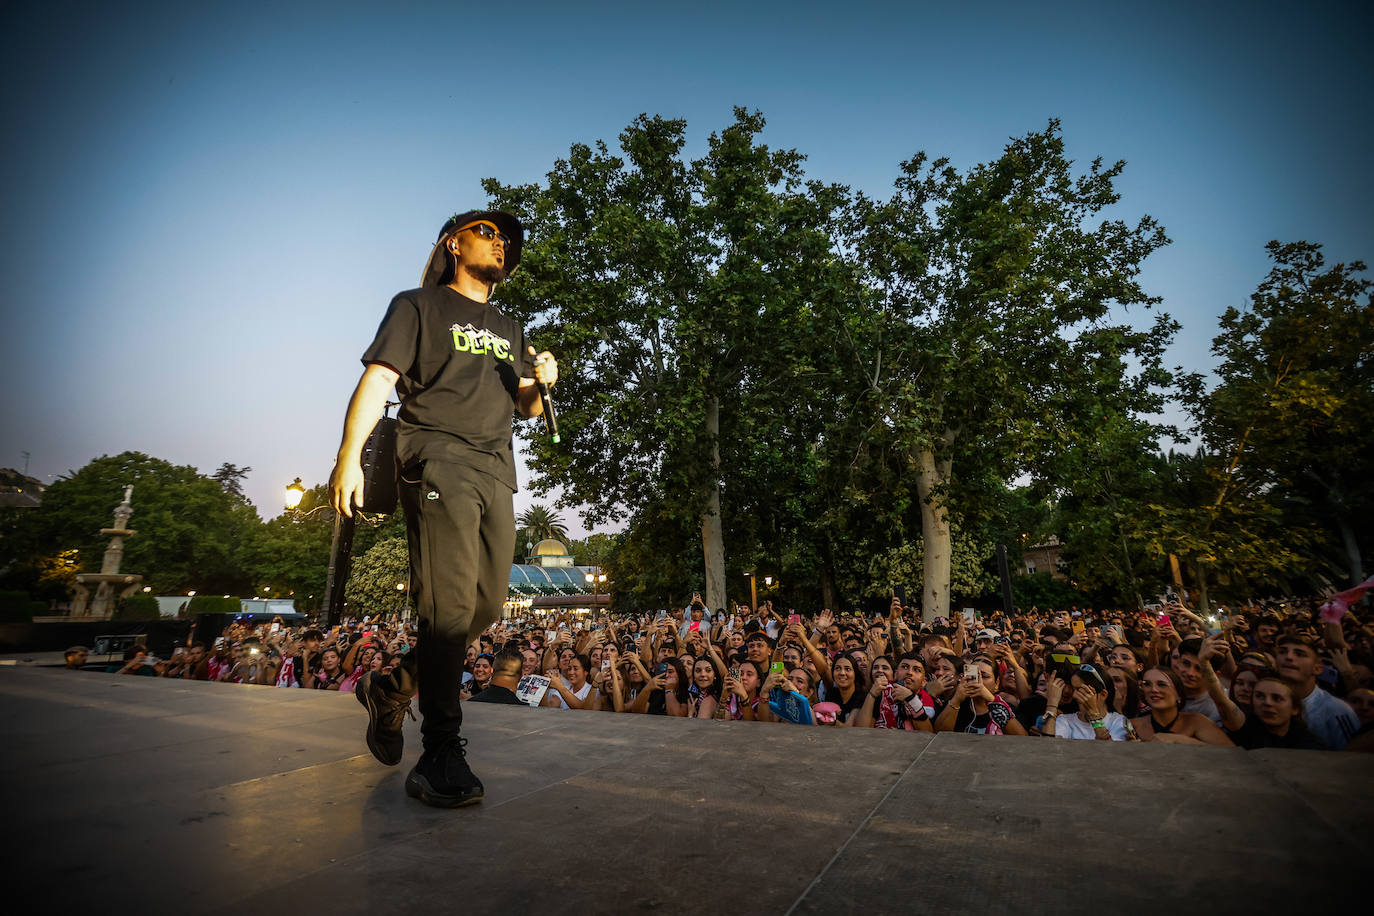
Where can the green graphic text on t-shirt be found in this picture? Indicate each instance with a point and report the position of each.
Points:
(480, 342)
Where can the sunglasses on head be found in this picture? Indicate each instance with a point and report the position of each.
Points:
(1092, 672)
(486, 231)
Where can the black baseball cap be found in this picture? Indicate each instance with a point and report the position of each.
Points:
(437, 264)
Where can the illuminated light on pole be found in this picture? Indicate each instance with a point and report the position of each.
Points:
(295, 491)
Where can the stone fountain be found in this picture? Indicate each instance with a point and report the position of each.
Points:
(109, 584)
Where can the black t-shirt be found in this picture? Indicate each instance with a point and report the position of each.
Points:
(495, 693)
(856, 702)
(1253, 735)
(1030, 709)
(460, 364)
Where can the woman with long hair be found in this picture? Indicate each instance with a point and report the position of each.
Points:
(703, 693)
(974, 705)
(1126, 692)
(847, 688)
(665, 691)
(741, 694)
(575, 693)
(1166, 721)
(1276, 719)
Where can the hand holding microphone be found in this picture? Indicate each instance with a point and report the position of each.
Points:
(545, 375)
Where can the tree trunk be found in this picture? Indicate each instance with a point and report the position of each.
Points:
(830, 596)
(1202, 605)
(932, 475)
(712, 537)
(1352, 551)
(1130, 574)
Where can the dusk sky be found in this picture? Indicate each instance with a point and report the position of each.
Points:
(208, 206)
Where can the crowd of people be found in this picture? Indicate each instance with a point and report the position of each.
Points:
(1250, 677)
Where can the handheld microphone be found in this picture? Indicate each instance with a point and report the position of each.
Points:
(550, 418)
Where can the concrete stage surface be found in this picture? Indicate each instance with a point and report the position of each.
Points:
(146, 796)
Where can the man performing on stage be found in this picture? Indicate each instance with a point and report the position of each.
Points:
(461, 368)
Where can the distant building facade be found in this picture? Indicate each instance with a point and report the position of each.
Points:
(1044, 558)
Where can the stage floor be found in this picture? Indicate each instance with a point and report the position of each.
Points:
(148, 796)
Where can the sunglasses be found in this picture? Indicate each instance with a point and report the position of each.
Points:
(1059, 657)
(488, 232)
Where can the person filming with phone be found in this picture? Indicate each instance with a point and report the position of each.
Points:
(974, 706)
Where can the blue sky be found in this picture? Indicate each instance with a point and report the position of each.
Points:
(208, 206)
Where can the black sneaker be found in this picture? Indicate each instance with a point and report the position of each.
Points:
(442, 778)
(386, 713)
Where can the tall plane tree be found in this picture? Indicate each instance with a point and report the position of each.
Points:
(677, 295)
(986, 349)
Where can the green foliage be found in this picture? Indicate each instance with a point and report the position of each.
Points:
(983, 347)
(213, 604)
(595, 550)
(290, 553)
(1044, 591)
(137, 607)
(535, 524)
(678, 295)
(188, 527)
(903, 564)
(16, 607)
(1288, 421)
(371, 587)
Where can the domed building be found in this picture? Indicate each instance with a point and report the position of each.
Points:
(549, 552)
(548, 580)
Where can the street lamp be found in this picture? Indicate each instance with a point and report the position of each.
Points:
(595, 580)
(191, 593)
(295, 490)
(753, 592)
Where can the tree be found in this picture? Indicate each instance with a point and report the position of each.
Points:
(983, 349)
(539, 523)
(1289, 417)
(1240, 543)
(290, 553)
(371, 587)
(903, 563)
(189, 528)
(677, 294)
(231, 477)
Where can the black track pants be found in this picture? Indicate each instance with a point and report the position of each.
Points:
(461, 527)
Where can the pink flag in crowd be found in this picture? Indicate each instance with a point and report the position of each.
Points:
(1336, 606)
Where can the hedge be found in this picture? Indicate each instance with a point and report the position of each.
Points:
(137, 607)
(16, 607)
(214, 604)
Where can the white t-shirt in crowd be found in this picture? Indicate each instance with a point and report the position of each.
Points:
(1204, 706)
(1330, 718)
(580, 694)
(1074, 727)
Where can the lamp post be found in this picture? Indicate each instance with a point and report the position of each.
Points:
(753, 593)
(595, 580)
(340, 547)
